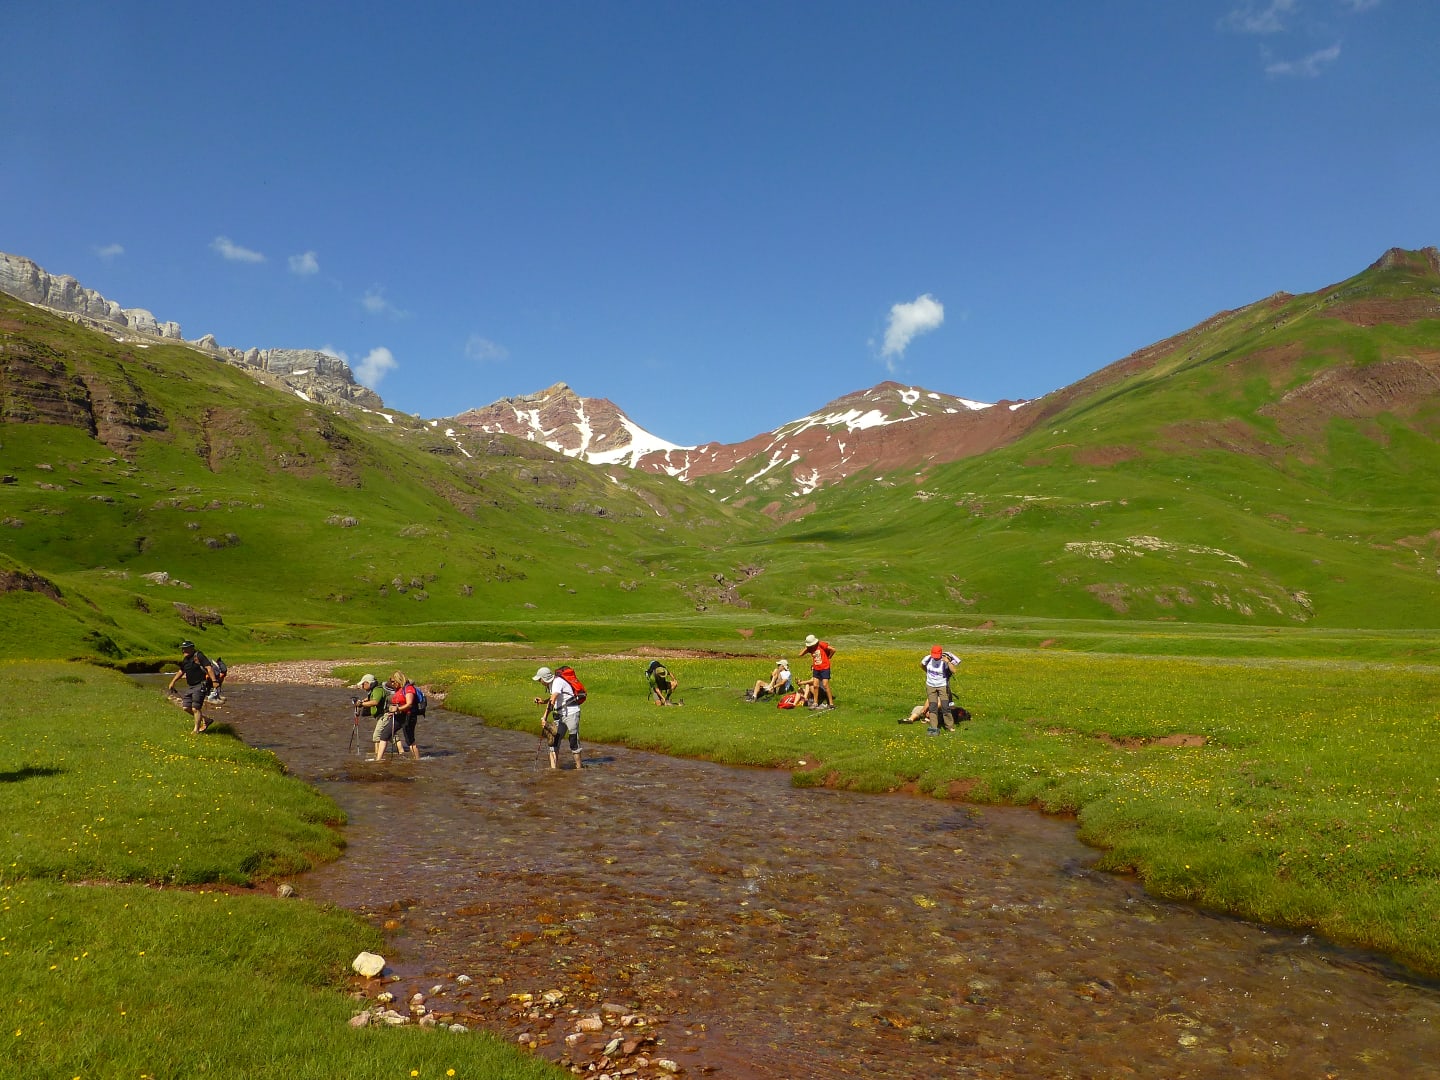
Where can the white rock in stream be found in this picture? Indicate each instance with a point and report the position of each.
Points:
(368, 964)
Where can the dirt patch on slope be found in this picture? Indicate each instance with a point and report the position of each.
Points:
(1103, 456)
(1382, 310)
(20, 581)
(1357, 393)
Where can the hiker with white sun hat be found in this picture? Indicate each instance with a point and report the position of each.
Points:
(562, 709)
(779, 682)
(820, 653)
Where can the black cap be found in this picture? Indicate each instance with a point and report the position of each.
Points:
(187, 645)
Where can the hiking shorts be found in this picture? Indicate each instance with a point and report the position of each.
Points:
(193, 696)
(937, 705)
(384, 728)
(567, 722)
(821, 674)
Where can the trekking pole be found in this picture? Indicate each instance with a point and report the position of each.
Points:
(354, 728)
(547, 733)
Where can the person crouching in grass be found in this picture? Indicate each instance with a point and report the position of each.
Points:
(662, 683)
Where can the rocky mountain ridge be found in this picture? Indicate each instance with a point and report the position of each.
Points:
(591, 429)
(886, 427)
(313, 375)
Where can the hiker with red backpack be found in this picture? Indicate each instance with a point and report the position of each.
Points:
(567, 693)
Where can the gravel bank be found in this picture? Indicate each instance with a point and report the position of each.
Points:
(304, 672)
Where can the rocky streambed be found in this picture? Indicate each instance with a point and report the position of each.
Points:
(648, 916)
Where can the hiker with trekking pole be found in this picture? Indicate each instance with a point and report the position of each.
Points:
(372, 707)
(562, 710)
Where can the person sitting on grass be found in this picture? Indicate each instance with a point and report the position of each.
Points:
(662, 683)
(780, 682)
(809, 690)
(958, 713)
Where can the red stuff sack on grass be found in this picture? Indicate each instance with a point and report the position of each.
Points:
(789, 701)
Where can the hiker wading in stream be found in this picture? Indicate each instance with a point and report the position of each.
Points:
(563, 706)
(404, 710)
(197, 669)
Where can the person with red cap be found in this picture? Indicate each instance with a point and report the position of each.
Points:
(939, 666)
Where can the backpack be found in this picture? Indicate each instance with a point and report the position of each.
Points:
(421, 701)
(789, 701)
(577, 688)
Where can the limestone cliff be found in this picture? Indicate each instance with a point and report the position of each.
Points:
(313, 375)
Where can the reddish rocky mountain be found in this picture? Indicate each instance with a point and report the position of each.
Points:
(591, 429)
(889, 426)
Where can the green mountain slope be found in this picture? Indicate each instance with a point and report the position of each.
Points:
(1278, 465)
(152, 492)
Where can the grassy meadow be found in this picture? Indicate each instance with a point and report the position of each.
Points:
(1300, 793)
(106, 795)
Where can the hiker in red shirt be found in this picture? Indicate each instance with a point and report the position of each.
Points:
(820, 653)
(405, 711)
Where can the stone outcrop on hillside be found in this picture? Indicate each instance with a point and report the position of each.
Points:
(22, 278)
(316, 376)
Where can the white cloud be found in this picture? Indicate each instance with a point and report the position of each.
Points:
(1308, 67)
(305, 264)
(374, 302)
(109, 251)
(377, 363)
(483, 350)
(232, 252)
(920, 316)
(1256, 19)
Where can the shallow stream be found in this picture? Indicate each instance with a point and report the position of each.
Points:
(764, 931)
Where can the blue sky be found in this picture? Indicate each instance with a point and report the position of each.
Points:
(718, 215)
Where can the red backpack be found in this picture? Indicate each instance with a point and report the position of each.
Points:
(789, 701)
(576, 686)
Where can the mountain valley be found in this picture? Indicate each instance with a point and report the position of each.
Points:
(1277, 465)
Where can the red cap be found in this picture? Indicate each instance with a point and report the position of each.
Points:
(936, 651)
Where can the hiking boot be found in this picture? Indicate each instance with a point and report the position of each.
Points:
(932, 731)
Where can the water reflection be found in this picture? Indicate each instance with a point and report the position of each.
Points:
(766, 931)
